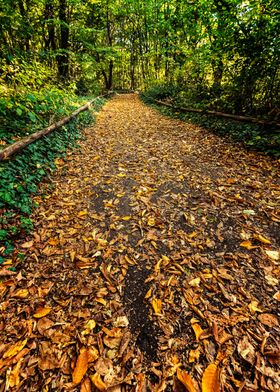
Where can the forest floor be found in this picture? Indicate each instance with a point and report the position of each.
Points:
(153, 265)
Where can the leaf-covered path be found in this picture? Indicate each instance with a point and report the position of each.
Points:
(154, 260)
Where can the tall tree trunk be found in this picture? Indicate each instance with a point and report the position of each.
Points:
(23, 11)
(63, 57)
(49, 16)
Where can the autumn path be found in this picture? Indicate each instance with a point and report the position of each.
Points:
(158, 250)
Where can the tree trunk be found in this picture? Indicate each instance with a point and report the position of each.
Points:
(63, 57)
(49, 15)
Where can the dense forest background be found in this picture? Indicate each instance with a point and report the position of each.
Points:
(221, 52)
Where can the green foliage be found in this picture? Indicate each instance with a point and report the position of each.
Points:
(251, 136)
(20, 175)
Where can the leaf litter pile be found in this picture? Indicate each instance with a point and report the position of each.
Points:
(153, 265)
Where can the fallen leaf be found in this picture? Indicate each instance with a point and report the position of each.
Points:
(194, 282)
(86, 385)
(187, 381)
(272, 254)
(98, 382)
(27, 245)
(261, 239)
(253, 306)
(14, 378)
(22, 293)
(93, 354)
(277, 296)
(157, 305)
(248, 245)
(268, 319)
(246, 350)
(194, 355)
(81, 366)
(41, 312)
(15, 348)
(197, 329)
(211, 379)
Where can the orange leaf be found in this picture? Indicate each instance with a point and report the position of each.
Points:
(14, 378)
(15, 348)
(187, 381)
(248, 245)
(81, 366)
(210, 379)
(97, 380)
(41, 312)
(197, 329)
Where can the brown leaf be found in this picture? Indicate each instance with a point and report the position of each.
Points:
(246, 350)
(81, 366)
(86, 385)
(27, 245)
(44, 324)
(187, 381)
(268, 319)
(211, 379)
(273, 355)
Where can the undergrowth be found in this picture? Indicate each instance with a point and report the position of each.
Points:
(252, 136)
(21, 115)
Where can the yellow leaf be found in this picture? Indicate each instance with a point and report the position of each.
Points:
(93, 354)
(72, 256)
(42, 312)
(253, 306)
(272, 254)
(149, 293)
(157, 305)
(187, 381)
(210, 379)
(101, 301)
(82, 213)
(261, 238)
(97, 380)
(248, 245)
(22, 293)
(194, 282)
(81, 366)
(89, 326)
(126, 218)
(15, 348)
(151, 221)
(194, 355)
(14, 378)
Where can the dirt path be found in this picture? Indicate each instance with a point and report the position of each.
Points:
(158, 250)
